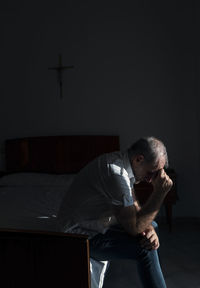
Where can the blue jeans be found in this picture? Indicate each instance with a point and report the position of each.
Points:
(117, 244)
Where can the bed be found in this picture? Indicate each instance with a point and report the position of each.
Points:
(38, 173)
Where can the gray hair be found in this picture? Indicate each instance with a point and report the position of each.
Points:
(151, 148)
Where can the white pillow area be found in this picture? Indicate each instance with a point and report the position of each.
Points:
(37, 179)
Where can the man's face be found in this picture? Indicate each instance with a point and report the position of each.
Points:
(144, 171)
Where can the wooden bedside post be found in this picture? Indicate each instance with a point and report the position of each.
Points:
(171, 198)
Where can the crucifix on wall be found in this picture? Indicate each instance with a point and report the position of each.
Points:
(60, 69)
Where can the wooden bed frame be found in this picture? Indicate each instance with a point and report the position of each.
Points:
(42, 259)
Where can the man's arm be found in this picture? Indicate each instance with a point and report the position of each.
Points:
(149, 240)
(136, 203)
(135, 221)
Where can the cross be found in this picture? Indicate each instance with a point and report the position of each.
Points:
(60, 68)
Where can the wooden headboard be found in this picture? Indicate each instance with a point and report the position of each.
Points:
(56, 154)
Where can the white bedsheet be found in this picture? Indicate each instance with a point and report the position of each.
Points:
(30, 207)
(32, 200)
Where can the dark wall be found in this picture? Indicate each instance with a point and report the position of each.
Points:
(136, 73)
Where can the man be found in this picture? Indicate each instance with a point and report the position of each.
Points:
(102, 195)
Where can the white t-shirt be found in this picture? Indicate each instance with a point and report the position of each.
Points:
(87, 207)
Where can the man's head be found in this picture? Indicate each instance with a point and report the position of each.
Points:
(148, 156)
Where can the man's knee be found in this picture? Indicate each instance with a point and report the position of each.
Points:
(146, 255)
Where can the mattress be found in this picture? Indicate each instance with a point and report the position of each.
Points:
(32, 200)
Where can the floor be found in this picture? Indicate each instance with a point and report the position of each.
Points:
(180, 255)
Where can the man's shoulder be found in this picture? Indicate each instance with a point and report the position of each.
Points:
(106, 164)
(115, 157)
(110, 158)
(116, 163)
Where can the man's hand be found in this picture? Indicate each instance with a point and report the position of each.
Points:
(162, 183)
(150, 239)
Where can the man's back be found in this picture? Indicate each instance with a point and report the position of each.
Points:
(88, 205)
